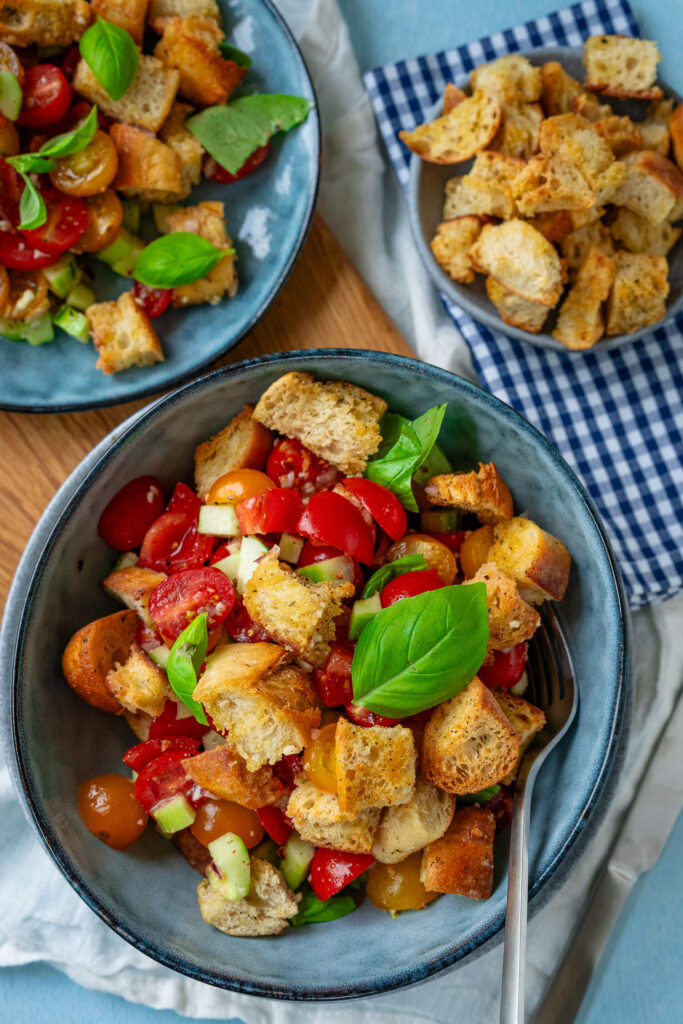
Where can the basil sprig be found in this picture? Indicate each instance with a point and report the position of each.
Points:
(32, 209)
(405, 448)
(243, 60)
(185, 659)
(421, 650)
(386, 573)
(112, 56)
(73, 141)
(11, 96)
(176, 259)
(314, 911)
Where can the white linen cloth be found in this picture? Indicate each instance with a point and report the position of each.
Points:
(47, 921)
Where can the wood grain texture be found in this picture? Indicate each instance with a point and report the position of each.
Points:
(324, 304)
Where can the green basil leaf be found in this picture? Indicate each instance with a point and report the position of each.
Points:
(11, 96)
(396, 458)
(421, 650)
(435, 463)
(315, 911)
(482, 797)
(31, 163)
(111, 55)
(243, 60)
(280, 111)
(32, 209)
(177, 259)
(72, 142)
(185, 660)
(386, 573)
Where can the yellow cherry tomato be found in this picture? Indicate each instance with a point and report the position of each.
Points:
(110, 810)
(89, 171)
(216, 817)
(395, 887)
(105, 214)
(474, 550)
(320, 761)
(238, 485)
(436, 555)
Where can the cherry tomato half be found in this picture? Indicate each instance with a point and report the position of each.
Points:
(273, 511)
(331, 519)
(90, 170)
(288, 769)
(180, 598)
(67, 221)
(110, 810)
(331, 870)
(395, 887)
(9, 138)
(16, 253)
(507, 667)
(70, 62)
(320, 761)
(453, 540)
(216, 817)
(381, 503)
(410, 584)
(185, 500)
(105, 214)
(147, 637)
(333, 681)
(164, 778)
(214, 171)
(238, 485)
(361, 716)
(170, 723)
(153, 300)
(47, 96)
(475, 549)
(141, 754)
(276, 823)
(241, 627)
(11, 191)
(130, 513)
(291, 464)
(10, 62)
(172, 544)
(437, 555)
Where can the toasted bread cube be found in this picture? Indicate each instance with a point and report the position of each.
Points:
(580, 323)
(92, 652)
(654, 130)
(638, 235)
(189, 150)
(451, 243)
(622, 66)
(148, 101)
(224, 773)
(483, 492)
(576, 245)
(43, 22)
(574, 140)
(639, 292)
(461, 862)
(336, 420)
(525, 718)
(140, 723)
(511, 79)
(265, 911)
(132, 587)
(468, 743)
(486, 190)
(127, 14)
(515, 311)
(653, 187)
(538, 562)
(191, 46)
(410, 827)
(554, 225)
(123, 335)
(676, 132)
(243, 444)
(207, 220)
(451, 97)
(375, 766)
(518, 132)
(620, 133)
(295, 611)
(319, 820)
(549, 183)
(589, 106)
(138, 684)
(456, 136)
(558, 89)
(521, 259)
(148, 169)
(511, 619)
(161, 11)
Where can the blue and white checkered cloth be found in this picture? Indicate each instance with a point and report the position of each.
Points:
(617, 416)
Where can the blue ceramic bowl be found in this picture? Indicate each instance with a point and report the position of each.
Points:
(268, 216)
(147, 894)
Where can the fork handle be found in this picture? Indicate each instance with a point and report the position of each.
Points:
(514, 956)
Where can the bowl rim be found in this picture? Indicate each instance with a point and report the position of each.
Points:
(307, 220)
(76, 487)
(458, 294)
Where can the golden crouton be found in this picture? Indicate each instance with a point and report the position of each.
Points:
(451, 243)
(148, 169)
(140, 723)
(375, 766)
(574, 139)
(191, 46)
(576, 245)
(161, 11)
(521, 259)
(518, 132)
(639, 292)
(676, 131)
(127, 14)
(458, 135)
(538, 562)
(589, 106)
(336, 420)
(515, 311)
(92, 652)
(653, 187)
(622, 66)
(483, 492)
(525, 718)
(132, 587)
(468, 743)
(265, 911)
(654, 130)
(451, 97)
(138, 684)
(549, 183)
(243, 444)
(295, 611)
(620, 133)
(486, 190)
(43, 22)
(266, 706)
(511, 79)
(558, 89)
(224, 773)
(123, 335)
(319, 820)
(207, 220)
(148, 101)
(511, 619)
(580, 323)
(638, 235)
(410, 827)
(190, 151)
(555, 225)
(462, 861)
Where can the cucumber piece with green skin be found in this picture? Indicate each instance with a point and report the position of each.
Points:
(296, 861)
(37, 332)
(80, 297)
(131, 215)
(291, 548)
(218, 521)
(361, 613)
(440, 520)
(174, 814)
(10, 95)
(125, 561)
(251, 550)
(229, 566)
(331, 570)
(230, 872)
(63, 275)
(74, 323)
(122, 255)
(159, 655)
(12, 330)
(160, 212)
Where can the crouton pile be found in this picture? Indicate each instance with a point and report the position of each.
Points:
(569, 206)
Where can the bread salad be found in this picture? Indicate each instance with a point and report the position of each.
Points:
(568, 205)
(110, 113)
(322, 654)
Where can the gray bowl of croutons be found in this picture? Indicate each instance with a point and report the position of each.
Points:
(552, 210)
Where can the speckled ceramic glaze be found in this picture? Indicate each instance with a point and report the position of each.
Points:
(426, 199)
(147, 894)
(268, 215)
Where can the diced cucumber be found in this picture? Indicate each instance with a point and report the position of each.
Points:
(10, 95)
(291, 548)
(125, 561)
(332, 570)
(159, 655)
(230, 872)
(74, 323)
(218, 521)
(63, 275)
(174, 814)
(297, 860)
(131, 215)
(80, 297)
(12, 330)
(229, 566)
(361, 613)
(122, 254)
(37, 332)
(440, 520)
(160, 212)
(252, 549)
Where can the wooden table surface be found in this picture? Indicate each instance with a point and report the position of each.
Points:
(324, 304)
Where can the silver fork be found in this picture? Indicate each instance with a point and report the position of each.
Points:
(551, 688)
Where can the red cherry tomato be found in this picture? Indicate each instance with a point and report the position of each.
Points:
(274, 511)
(172, 543)
(164, 778)
(410, 585)
(241, 627)
(288, 769)
(47, 96)
(180, 598)
(142, 753)
(333, 680)
(67, 221)
(168, 724)
(147, 637)
(17, 254)
(507, 667)
(311, 553)
(276, 823)
(381, 503)
(453, 540)
(11, 191)
(214, 171)
(361, 716)
(152, 300)
(291, 464)
(70, 63)
(131, 512)
(500, 806)
(223, 551)
(331, 519)
(331, 870)
(184, 499)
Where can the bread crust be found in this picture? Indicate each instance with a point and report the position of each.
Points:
(511, 619)
(676, 132)
(224, 773)
(451, 243)
(127, 14)
(622, 66)
(538, 562)
(265, 911)
(526, 719)
(515, 311)
(138, 684)
(580, 323)
(410, 827)
(148, 101)
(319, 819)
(521, 259)
(462, 861)
(132, 587)
(455, 137)
(43, 22)
(638, 297)
(206, 219)
(483, 492)
(92, 652)
(558, 89)
(190, 45)
(512, 79)
(375, 766)
(243, 444)
(123, 335)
